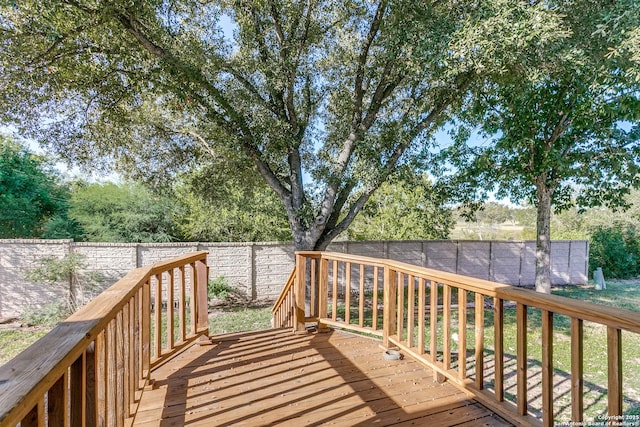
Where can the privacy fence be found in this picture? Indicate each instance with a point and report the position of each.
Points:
(259, 269)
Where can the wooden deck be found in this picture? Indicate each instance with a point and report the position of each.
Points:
(274, 377)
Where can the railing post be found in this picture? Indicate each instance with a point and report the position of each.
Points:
(389, 310)
(299, 292)
(203, 301)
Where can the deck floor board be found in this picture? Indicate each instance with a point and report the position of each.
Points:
(276, 378)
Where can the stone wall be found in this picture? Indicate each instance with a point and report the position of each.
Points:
(261, 269)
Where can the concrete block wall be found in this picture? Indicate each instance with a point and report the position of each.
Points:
(260, 269)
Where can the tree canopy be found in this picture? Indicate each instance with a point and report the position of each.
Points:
(325, 98)
(406, 208)
(30, 195)
(108, 212)
(563, 125)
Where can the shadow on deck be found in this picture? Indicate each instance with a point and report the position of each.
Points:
(273, 377)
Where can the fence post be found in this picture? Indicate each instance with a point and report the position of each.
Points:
(299, 292)
(389, 317)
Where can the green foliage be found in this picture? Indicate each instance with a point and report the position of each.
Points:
(562, 125)
(67, 273)
(49, 315)
(128, 212)
(404, 209)
(219, 288)
(30, 195)
(227, 201)
(326, 99)
(616, 248)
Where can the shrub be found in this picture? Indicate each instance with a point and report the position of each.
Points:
(219, 288)
(48, 315)
(616, 249)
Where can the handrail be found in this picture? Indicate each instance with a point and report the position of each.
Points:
(283, 308)
(407, 305)
(88, 369)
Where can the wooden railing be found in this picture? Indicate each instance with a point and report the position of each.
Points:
(283, 313)
(456, 325)
(91, 368)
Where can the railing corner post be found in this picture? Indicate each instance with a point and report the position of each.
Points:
(299, 294)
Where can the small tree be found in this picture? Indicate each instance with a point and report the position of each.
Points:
(562, 125)
(67, 273)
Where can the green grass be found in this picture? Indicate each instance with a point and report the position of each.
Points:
(13, 342)
(240, 319)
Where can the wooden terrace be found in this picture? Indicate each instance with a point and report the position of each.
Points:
(140, 353)
(274, 377)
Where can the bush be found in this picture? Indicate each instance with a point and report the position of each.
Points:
(616, 249)
(48, 315)
(219, 288)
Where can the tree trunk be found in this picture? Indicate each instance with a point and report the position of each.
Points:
(543, 237)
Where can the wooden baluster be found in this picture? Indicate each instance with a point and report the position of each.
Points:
(78, 391)
(120, 369)
(433, 314)
(132, 376)
(411, 306)
(323, 289)
(35, 417)
(446, 326)
(577, 370)
(347, 293)
(389, 308)
(522, 362)
(498, 328)
(182, 318)
(202, 301)
(374, 313)
(193, 299)
(334, 295)
(547, 368)
(170, 303)
(614, 351)
(145, 323)
(111, 381)
(58, 402)
(92, 375)
(479, 345)
(421, 314)
(400, 309)
(313, 291)
(101, 378)
(361, 298)
(462, 333)
(157, 316)
(300, 285)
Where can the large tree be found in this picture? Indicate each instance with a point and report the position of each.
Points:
(325, 98)
(562, 127)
